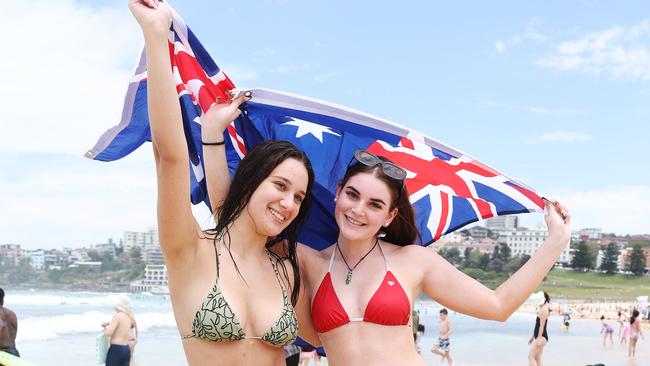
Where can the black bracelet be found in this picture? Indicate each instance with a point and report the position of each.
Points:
(214, 143)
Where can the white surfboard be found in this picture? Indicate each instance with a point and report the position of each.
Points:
(102, 342)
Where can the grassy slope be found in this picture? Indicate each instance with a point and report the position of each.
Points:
(595, 286)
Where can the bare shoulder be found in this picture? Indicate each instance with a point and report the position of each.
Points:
(7, 314)
(412, 252)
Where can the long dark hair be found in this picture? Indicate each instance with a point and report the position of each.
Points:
(253, 169)
(547, 298)
(635, 314)
(402, 230)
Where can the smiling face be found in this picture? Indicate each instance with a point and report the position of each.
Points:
(277, 200)
(363, 207)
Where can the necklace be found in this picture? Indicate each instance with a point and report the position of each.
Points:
(348, 279)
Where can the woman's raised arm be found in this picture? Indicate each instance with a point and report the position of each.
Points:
(456, 290)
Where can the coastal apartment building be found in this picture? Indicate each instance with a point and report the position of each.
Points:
(11, 254)
(522, 242)
(155, 280)
(456, 240)
(507, 222)
(147, 242)
(624, 258)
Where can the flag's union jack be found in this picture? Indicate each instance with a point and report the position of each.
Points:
(448, 189)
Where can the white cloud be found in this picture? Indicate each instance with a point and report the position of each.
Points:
(559, 112)
(618, 209)
(72, 204)
(262, 55)
(65, 75)
(565, 136)
(530, 34)
(560, 136)
(239, 73)
(500, 46)
(617, 52)
(290, 68)
(324, 77)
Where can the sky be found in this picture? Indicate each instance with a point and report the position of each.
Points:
(553, 93)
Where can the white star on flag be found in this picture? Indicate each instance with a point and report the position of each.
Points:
(305, 127)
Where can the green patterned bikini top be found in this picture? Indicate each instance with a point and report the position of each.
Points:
(215, 320)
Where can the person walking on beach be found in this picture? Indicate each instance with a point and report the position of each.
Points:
(123, 331)
(635, 333)
(624, 329)
(8, 328)
(443, 346)
(540, 337)
(566, 322)
(415, 321)
(606, 330)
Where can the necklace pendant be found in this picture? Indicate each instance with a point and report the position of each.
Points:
(348, 279)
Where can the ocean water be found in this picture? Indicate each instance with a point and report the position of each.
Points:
(59, 328)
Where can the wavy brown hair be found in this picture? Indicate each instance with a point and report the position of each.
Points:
(256, 166)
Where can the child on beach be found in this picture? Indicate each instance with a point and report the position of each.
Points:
(624, 329)
(606, 330)
(635, 332)
(442, 348)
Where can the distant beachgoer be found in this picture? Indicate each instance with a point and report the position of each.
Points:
(443, 347)
(620, 319)
(415, 322)
(8, 328)
(291, 355)
(624, 329)
(308, 353)
(565, 322)
(123, 331)
(607, 330)
(540, 336)
(635, 332)
(418, 338)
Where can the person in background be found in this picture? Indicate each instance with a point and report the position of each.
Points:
(123, 332)
(565, 322)
(292, 354)
(606, 330)
(418, 338)
(635, 333)
(540, 338)
(442, 348)
(415, 322)
(621, 324)
(8, 328)
(307, 353)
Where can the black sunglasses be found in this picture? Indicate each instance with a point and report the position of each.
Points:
(389, 169)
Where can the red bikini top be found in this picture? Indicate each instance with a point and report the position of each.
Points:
(388, 306)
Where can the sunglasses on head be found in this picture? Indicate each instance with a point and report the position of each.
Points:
(389, 169)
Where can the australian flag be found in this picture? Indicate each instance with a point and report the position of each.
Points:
(447, 188)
